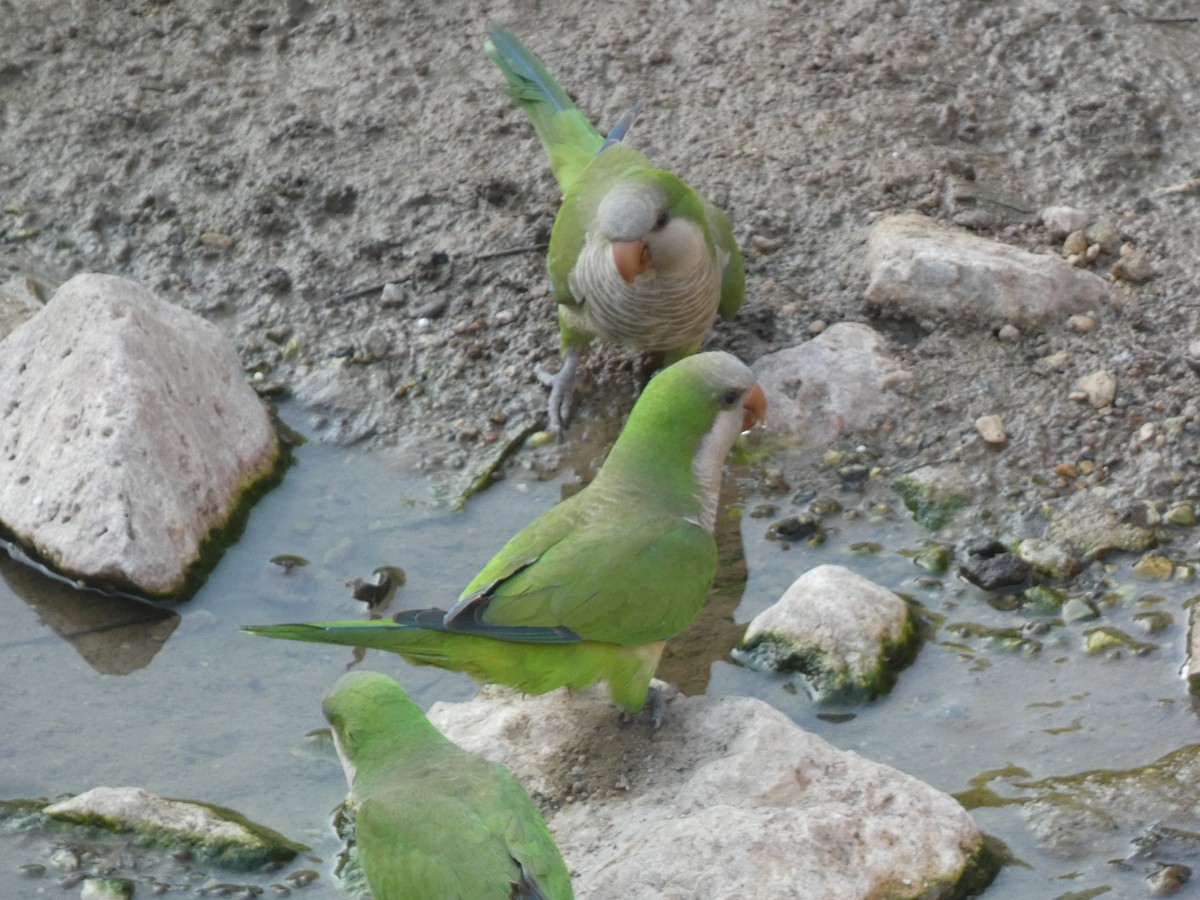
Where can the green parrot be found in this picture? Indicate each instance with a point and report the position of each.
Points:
(593, 588)
(433, 820)
(636, 256)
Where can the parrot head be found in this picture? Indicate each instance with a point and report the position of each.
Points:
(368, 712)
(653, 224)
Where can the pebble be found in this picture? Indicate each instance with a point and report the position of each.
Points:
(1009, 333)
(1063, 220)
(1133, 266)
(1075, 244)
(1081, 324)
(1099, 388)
(991, 429)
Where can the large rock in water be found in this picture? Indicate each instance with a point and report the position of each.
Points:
(128, 434)
(729, 799)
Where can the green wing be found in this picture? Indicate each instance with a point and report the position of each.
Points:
(624, 577)
(733, 275)
(465, 828)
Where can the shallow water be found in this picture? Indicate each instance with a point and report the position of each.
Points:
(191, 708)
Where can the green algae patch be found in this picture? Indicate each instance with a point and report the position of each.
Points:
(932, 505)
(212, 834)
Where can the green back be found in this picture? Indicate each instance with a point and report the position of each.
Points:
(432, 819)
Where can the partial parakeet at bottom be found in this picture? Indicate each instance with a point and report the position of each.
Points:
(637, 257)
(432, 820)
(593, 588)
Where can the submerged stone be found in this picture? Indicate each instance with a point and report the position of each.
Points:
(933, 494)
(210, 833)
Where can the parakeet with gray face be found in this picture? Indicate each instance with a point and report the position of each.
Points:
(433, 820)
(636, 257)
(593, 588)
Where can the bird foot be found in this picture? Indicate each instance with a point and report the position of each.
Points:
(562, 389)
(659, 694)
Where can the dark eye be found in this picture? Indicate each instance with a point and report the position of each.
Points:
(661, 222)
(730, 398)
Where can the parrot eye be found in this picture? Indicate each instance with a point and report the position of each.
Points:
(730, 398)
(661, 222)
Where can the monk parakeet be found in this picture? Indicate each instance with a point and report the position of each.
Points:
(636, 256)
(433, 820)
(592, 589)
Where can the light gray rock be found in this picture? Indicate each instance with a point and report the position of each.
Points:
(1192, 667)
(729, 799)
(1099, 521)
(1063, 220)
(1056, 560)
(128, 434)
(1100, 388)
(840, 382)
(19, 302)
(923, 270)
(838, 628)
(210, 833)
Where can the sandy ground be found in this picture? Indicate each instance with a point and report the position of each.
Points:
(261, 163)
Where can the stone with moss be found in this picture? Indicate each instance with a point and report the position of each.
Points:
(1098, 521)
(209, 833)
(1050, 559)
(933, 494)
(847, 635)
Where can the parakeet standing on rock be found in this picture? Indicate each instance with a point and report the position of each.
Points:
(433, 820)
(593, 588)
(636, 256)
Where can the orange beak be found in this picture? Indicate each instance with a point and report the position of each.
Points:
(754, 410)
(632, 258)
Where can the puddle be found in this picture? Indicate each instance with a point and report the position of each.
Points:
(100, 691)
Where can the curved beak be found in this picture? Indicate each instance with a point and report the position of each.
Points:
(754, 410)
(632, 258)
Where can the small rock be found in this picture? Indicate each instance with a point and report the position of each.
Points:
(989, 565)
(1075, 245)
(991, 429)
(1049, 558)
(1154, 565)
(1098, 521)
(1133, 266)
(1100, 388)
(1064, 220)
(1008, 333)
(1081, 324)
(1168, 880)
(933, 494)
(216, 240)
(842, 631)
(1182, 513)
(1076, 609)
(106, 889)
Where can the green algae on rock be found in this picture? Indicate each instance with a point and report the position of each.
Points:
(210, 833)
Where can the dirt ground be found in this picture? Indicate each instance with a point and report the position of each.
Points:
(272, 165)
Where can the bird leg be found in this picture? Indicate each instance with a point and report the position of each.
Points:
(562, 389)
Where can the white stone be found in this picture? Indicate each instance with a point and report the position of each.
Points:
(209, 831)
(1100, 388)
(840, 382)
(839, 624)
(1063, 220)
(127, 434)
(922, 270)
(729, 799)
(991, 429)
